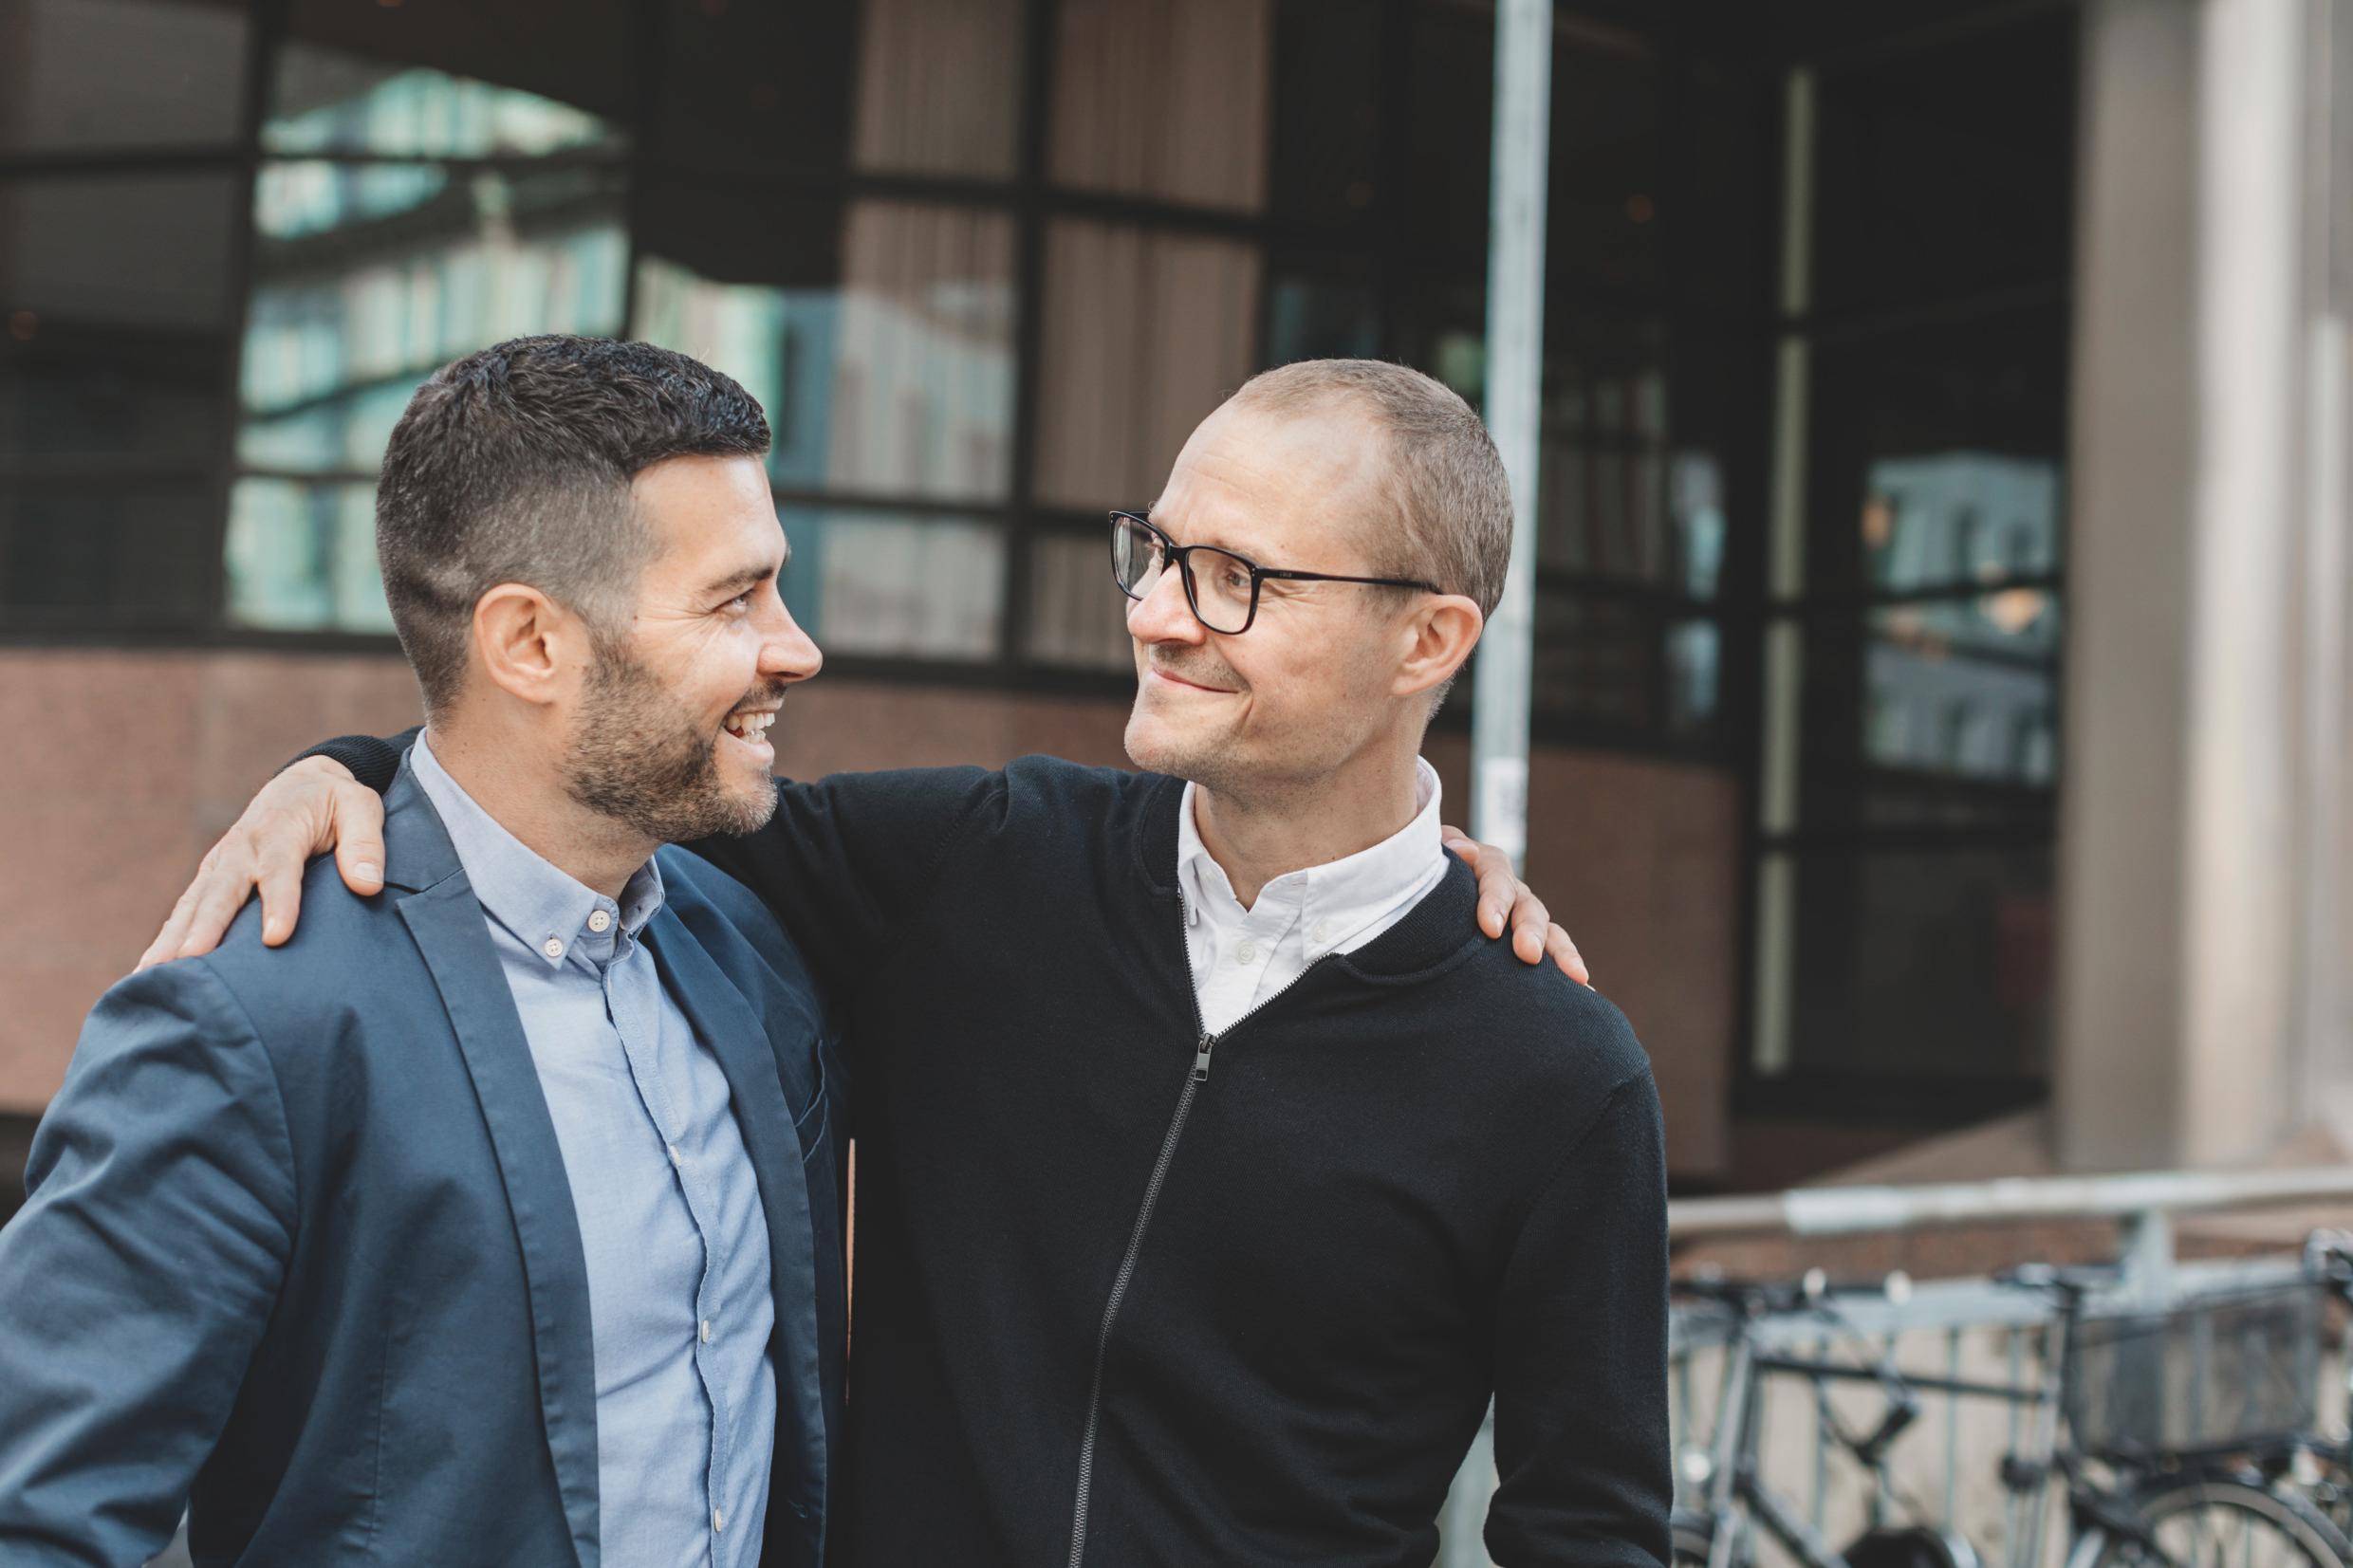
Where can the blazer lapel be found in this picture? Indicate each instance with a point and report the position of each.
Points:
(725, 1023)
(446, 920)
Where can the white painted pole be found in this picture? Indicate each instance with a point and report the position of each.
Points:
(1515, 269)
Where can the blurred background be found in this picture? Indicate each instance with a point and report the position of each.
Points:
(1939, 687)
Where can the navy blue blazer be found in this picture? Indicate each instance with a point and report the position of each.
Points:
(300, 1251)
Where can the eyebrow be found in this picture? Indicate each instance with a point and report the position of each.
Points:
(747, 577)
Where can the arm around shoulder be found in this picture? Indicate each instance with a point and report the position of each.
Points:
(137, 1279)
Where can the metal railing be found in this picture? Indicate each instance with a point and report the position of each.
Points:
(1959, 1341)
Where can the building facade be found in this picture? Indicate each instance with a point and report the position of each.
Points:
(1814, 433)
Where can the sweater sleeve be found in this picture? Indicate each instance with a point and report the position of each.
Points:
(1581, 1354)
(848, 862)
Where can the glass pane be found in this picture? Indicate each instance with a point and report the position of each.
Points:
(302, 557)
(113, 339)
(1144, 334)
(915, 587)
(93, 75)
(1937, 452)
(1320, 319)
(1694, 656)
(896, 379)
(455, 78)
(940, 86)
(1597, 661)
(328, 100)
(1930, 187)
(1327, 109)
(1961, 710)
(128, 555)
(1077, 616)
(1924, 963)
(1959, 517)
(752, 91)
(369, 277)
(1165, 99)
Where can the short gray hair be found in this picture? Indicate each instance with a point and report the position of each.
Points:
(1451, 497)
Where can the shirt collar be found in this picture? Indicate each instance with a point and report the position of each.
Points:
(547, 909)
(1365, 883)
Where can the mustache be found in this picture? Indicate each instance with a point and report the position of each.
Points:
(765, 695)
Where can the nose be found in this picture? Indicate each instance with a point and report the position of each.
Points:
(1162, 614)
(787, 653)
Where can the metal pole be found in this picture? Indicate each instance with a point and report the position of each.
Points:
(1515, 269)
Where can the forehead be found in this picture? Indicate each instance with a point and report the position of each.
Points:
(702, 511)
(1265, 480)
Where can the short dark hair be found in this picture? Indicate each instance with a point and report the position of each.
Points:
(512, 465)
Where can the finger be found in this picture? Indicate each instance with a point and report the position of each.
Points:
(1530, 922)
(166, 945)
(281, 887)
(359, 826)
(220, 893)
(1498, 888)
(1564, 953)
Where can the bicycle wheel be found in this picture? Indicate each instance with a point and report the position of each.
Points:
(2215, 1522)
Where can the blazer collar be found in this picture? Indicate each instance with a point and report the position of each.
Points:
(445, 919)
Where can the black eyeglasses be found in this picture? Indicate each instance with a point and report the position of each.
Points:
(1222, 588)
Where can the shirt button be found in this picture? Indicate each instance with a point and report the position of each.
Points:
(1320, 933)
(598, 920)
(1246, 953)
(718, 1521)
(674, 1155)
(552, 947)
(705, 1331)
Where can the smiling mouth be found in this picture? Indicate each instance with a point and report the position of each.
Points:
(1195, 685)
(750, 727)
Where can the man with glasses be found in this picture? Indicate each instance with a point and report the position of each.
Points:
(1213, 1172)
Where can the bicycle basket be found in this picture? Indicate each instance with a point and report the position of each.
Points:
(2212, 1372)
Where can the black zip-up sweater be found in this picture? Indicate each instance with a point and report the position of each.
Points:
(1125, 1294)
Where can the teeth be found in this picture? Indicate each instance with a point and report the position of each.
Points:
(749, 726)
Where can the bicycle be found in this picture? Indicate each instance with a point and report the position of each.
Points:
(2202, 1500)
(1737, 1497)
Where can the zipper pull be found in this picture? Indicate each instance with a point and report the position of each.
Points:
(1200, 1058)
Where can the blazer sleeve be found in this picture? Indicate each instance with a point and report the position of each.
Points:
(137, 1279)
(1581, 1354)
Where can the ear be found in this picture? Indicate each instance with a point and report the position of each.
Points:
(1441, 634)
(531, 647)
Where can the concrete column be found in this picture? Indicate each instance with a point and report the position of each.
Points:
(2187, 808)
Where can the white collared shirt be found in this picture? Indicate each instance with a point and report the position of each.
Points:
(1243, 957)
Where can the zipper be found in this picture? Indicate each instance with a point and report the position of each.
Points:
(1204, 1044)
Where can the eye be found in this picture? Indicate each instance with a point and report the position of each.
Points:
(739, 606)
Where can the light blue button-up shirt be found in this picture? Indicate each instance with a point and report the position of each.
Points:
(679, 1300)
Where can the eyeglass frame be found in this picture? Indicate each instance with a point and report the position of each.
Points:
(1181, 554)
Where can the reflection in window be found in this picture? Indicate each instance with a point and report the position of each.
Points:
(1144, 334)
(352, 308)
(1165, 99)
(302, 557)
(1965, 687)
(1077, 617)
(1694, 651)
(898, 382)
(1602, 478)
(1959, 517)
(330, 102)
(940, 86)
(915, 587)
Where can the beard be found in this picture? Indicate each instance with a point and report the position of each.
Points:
(638, 758)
